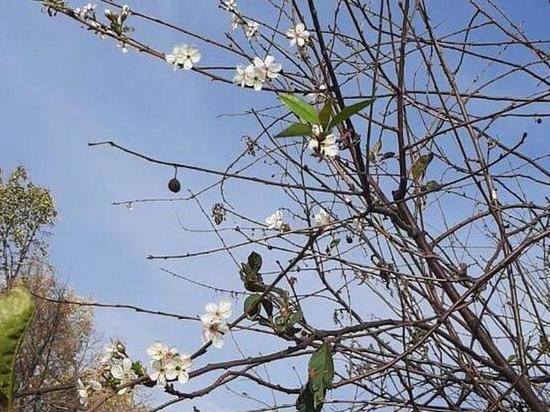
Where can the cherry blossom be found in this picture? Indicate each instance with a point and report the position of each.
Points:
(251, 30)
(217, 312)
(123, 372)
(183, 56)
(271, 68)
(322, 218)
(275, 221)
(298, 35)
(326, 147)
(214, 332)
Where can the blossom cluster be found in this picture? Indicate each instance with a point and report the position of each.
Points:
(214, 322)
(276, 220)
(115, 369)
(258, 73)
(168, 364)
(86, 12)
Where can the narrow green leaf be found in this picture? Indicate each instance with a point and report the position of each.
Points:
(296, 129)
(300, 108)
(349, 111)
(419, 167)
(16, 310)
(326, 114)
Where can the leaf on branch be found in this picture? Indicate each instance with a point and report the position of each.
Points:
(421, 165)
(326, 114)
(296, 129)
(300, 108)
(321, 374)
(431, 186)
(349, 111)
(252, 306)
(255, 261)
(305, 401)
(16, 310)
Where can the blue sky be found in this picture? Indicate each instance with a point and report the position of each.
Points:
(62, 88)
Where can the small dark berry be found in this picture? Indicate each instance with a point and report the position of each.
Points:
(174, 185)
(539, 120)
(349, 239)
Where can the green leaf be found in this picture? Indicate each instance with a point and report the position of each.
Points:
(349, 111)
(321, 373)
(305, 403)
(377, 147)
(419, 167)
(294, 318)
(255, 261)
(300, 108)
(296, 129)
(16, 310)
(268, 307)
(431, 186)
(326, 114)
(252, 306)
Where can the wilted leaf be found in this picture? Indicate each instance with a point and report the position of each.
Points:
(300, 108)
(16, 310)
(419, 167)
(296, 129)
(349, 111)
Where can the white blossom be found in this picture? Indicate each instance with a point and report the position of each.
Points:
(298, 35)
(229, 5)
(217, 312)
(240, 76)
(86, 11)
(322, 218)
(122, 371)
(251, 30)
(183, 56)
(275, 221)
(236, 21)
(167, 364)
(214, 332)
(256, 74)
(85, 390)
(328, 147)
(271, 68)
(113, 351)
(158, 350)
(83, 394)
(178, 368)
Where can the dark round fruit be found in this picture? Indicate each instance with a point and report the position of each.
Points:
(349, 239)
(539, 120)
(174, 185)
